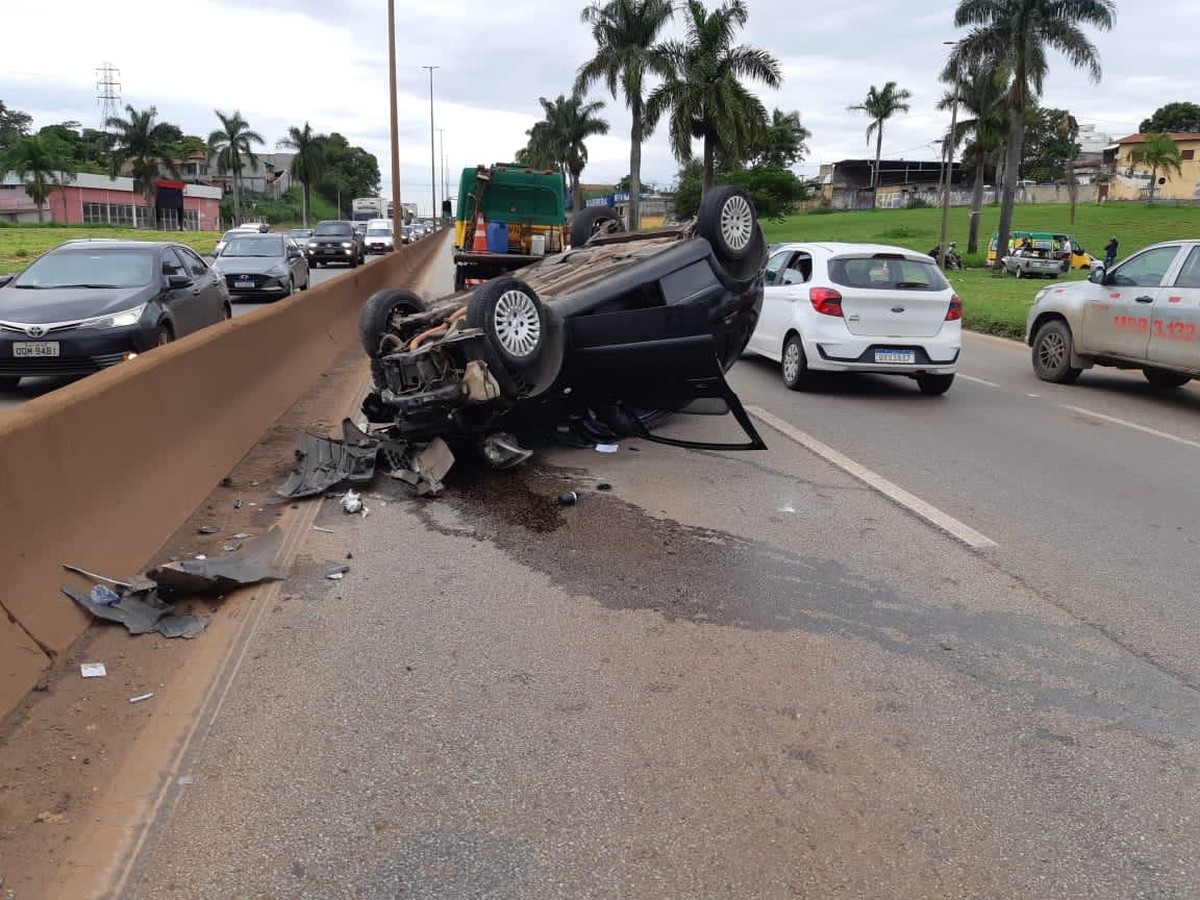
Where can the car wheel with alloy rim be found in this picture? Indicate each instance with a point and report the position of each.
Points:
(513, 317)
(796, 374)
(1052, 349)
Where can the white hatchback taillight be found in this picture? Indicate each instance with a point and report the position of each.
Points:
(826, 301)
(954, 313)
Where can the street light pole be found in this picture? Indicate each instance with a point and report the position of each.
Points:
(432, 164)
(948, 156)
(397, 211)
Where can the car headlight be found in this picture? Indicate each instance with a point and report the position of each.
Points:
(119, 320)
(312, 245)
(347, 244)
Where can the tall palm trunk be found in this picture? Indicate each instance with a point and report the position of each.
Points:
(1012, 168)
(304, 204)
(635, 165)
(1153, 181)
(41, 204)
(878, 156)
(237, 201)
(710, 156)
(977, 204)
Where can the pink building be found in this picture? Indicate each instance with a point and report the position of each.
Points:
(98, 199)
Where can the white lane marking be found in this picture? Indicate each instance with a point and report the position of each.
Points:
(1134, 425)
(978, 380)
(1035, 396)
(916, 505)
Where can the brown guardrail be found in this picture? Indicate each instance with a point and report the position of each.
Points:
(100, 473)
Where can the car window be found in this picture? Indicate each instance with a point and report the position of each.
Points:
(775, 265)
(329, 229)
(888, 272)
(798, 270)
(1189, 275)
(194, 263)
(172, 264)
(253, 246)
(1146, 269)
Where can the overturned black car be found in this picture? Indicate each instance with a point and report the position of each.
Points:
(612, 334)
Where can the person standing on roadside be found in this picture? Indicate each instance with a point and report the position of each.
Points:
(1110, 251)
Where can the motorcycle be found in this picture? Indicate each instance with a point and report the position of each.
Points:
(953, 260)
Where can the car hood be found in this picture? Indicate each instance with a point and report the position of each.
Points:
(246, 265)
(51, 305)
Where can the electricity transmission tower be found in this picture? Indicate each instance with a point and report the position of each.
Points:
(108, 93)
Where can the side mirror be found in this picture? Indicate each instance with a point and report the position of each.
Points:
(1098, 273)
(179, 281)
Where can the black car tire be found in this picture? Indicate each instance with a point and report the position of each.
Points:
(166, 334)
(307, 281)
(934, 385)
(226, 312)
(794, 365)
(1161, 378)
(1051, 353)
(593, 220)
(727, 220)
(291, 287)
(375, 319)
(353, 262)
(514, 319)
(738, 275)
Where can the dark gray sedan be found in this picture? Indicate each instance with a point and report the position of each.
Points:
(86, 305)
(262, 266)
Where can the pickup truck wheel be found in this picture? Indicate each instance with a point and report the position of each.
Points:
(353, 262)
(1164, 379)
(375, 320)
(1052, 347)
(593, 220)
(514, 319)
(728, 221)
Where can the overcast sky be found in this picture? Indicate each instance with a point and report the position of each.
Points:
(284, 63)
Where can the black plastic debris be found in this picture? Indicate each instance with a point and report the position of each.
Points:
(209, 529)
(325, 462)
(604, 486)
(568, 498)
(138, 611)
(222, 574)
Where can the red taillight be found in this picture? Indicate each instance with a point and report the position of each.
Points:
(826, 301)
(954, 313)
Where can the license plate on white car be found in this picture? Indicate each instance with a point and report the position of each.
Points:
(25, 349)
(895, 357)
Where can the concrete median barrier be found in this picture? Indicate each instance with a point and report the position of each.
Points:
(100, 473)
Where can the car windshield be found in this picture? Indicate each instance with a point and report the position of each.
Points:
(379, 232)
(300, 232)
(887, 273)
(243, 246)
(89, 268)
(331, 229)
(230, 234)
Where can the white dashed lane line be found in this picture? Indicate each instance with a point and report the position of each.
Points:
(875, 481)
(1134, 425)
(978, 380)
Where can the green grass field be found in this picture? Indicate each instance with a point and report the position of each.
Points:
(22, 244)
(991, 303)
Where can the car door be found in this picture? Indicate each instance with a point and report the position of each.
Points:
(767, 337)
(183, 302)
(1117, 319)
(212, 296)
(1176, 317)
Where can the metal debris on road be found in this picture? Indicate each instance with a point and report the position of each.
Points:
(104, 595)
(93, 670)
(232, 548)
(186, 627)
(242, 535)
(224, 574)
(237, 504)
(140, 697)
(337, 574)
(323, 529)
(209, 529)
(607, 448)
(138, 611)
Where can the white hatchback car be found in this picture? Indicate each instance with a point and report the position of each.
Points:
(833, 307)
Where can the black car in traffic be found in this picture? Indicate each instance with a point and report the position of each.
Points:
(336, 241)
(89, 304)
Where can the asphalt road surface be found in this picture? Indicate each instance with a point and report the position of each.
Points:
(920, 647)
(35, 387)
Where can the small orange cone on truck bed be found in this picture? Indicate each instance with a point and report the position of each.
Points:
(479, 241)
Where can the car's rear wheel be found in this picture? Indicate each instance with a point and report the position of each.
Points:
(1164, 379)
(514, 319)
(934, 385)
(593, 220)
(796, 374)
(1052, 347)
(165, 334)
(727, 221)
(376, 318)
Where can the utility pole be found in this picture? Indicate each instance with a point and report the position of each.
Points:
(433, 211)
(948, 153)
(397, 211)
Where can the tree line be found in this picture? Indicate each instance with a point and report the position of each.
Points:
(141, 145)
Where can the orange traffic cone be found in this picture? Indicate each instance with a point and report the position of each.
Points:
(479, 241)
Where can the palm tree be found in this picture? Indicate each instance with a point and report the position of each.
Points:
(1158, 152)
(881, 106)
(308, 165)
(37, 161)
(783, 143)
(1017, 34)
(984, 123)
(144, 148)
(704, 92)
(230, 144)
(626, 32)
(560, 136)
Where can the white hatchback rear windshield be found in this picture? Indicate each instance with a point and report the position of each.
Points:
(885, 272)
